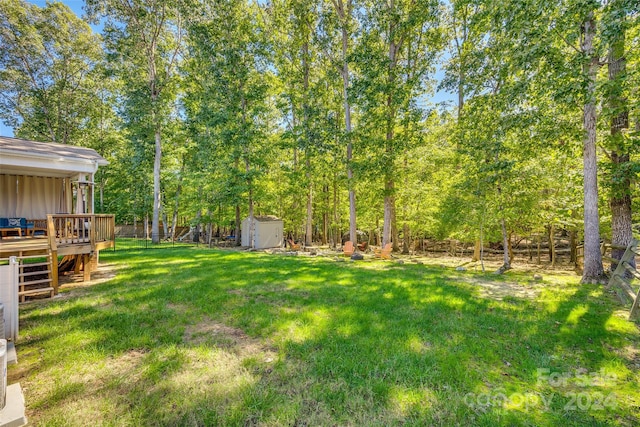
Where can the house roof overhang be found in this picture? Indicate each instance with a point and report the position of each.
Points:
(24, 157)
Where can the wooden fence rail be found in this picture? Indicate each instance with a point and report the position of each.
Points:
(623, 276)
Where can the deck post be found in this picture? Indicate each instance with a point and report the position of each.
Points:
(54, 271)
(53, 253)
(86, 268)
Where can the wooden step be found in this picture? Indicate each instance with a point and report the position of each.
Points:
(35, 282)
(631, 270)
(35, 291)
(35, 273)
(623, 290)
(35, 264)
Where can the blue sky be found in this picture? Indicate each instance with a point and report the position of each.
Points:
(77, 5)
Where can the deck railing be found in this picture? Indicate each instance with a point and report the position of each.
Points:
(66, 229)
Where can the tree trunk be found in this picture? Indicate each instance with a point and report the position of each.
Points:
(157, 201)
(238, 225)
(388, 211)
(476, 251)
(146, 226)
(405, 239)
(325, 214)
(593, 270)
(165, 225)
(345, 16)
(336, 218)
(505, 246)
(388, 229)
(196, 228)
(252, 243)
(510, 241)
(620, 198)
(482, 244)
(135, 226)
(573, 247)
(552, 245)
(176, 202)
(308, 240)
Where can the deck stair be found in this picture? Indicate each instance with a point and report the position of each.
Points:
(35, 277)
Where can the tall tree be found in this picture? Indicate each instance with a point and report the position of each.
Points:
(343, 10)
(146, 37)
(49, 73)
(399, 44)
(593, 269)
(615, 22)
(230, 54)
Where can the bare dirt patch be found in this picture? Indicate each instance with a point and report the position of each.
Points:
(232, 339)
(500, 290)
(103, 273)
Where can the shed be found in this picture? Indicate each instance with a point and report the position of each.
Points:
(268, 232)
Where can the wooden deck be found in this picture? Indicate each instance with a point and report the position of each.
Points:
(17, 246)
(82, 236)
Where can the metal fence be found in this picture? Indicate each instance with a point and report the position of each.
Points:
(127, 243)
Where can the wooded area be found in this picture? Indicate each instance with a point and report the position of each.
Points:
(324, 113)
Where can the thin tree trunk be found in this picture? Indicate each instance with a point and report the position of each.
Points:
(476, 251)
(552, 245)
(406, 239)
(510, 240)
(146, 226)
(336, 218)
(252, 243)
(482, 243)
(157, 201)
(388, 227)
(388, 211)
(344, 13)
(593, 269)
(325, 214)
(505, 236)
(308, 240)
(165, 225)
(238, 225)
(505, 245)
(196, 229)
(176, 202)
(308, 235)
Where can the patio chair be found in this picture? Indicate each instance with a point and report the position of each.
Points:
(384, 253)
(348, 248)
(293, 245)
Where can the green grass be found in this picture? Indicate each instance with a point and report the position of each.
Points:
(209, 337)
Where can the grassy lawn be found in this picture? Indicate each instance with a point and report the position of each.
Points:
(208, 337)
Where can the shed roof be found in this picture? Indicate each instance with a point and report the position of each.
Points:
(24, 157)
(267, 218)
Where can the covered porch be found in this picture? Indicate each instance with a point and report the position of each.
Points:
(47, 211)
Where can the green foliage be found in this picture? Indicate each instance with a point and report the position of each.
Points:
(52, 84)
(247, 98)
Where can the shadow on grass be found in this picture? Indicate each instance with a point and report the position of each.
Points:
(329, 343)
